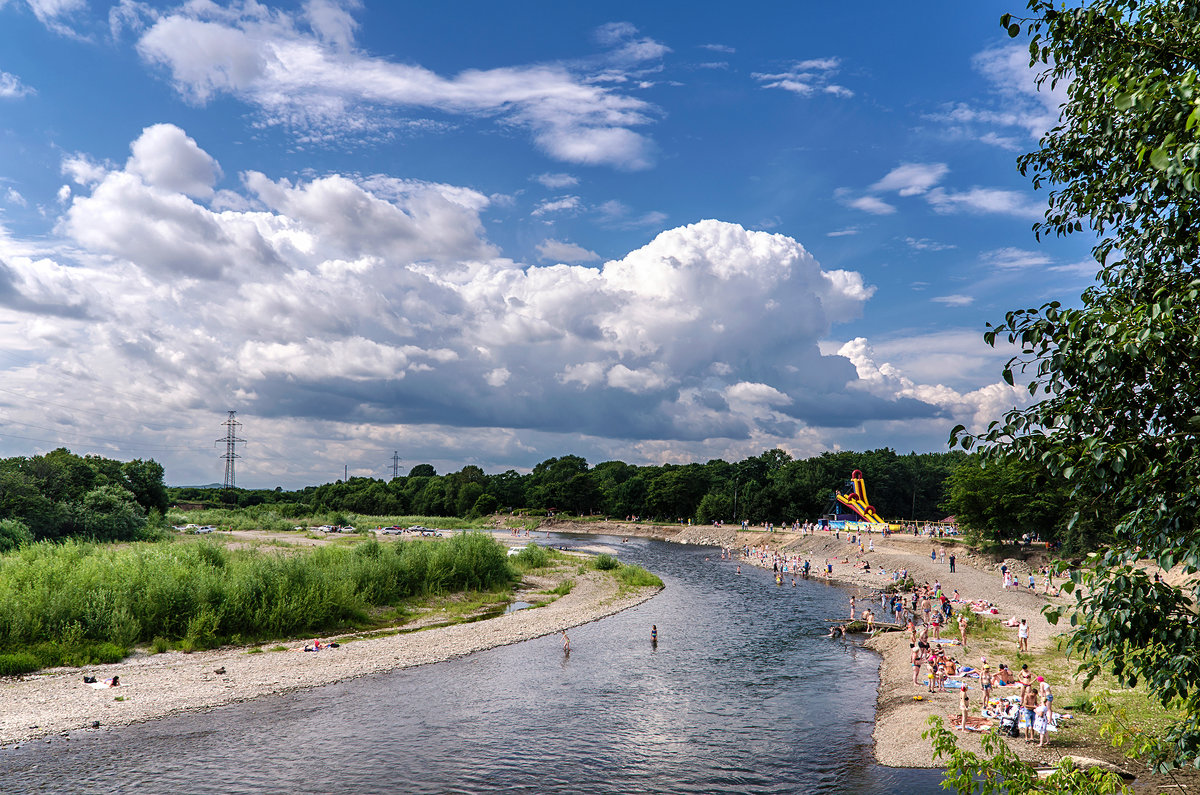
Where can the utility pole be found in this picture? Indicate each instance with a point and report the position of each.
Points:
(395, 464)
(346, 474)
(231, 439)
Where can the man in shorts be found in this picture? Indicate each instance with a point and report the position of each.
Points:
(1029, 703)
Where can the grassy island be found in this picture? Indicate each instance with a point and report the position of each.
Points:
(78, 603)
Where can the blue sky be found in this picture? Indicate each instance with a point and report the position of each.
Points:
(491, 233)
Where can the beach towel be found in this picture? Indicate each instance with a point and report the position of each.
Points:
(974, 722)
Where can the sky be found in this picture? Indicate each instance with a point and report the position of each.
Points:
(494, 233)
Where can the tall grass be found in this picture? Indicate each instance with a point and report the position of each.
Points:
(285, 517)
(78, 603)
(637, 577)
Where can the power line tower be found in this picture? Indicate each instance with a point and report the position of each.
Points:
(231, 439)
(395, 464)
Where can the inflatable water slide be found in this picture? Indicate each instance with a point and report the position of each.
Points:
(856, 500)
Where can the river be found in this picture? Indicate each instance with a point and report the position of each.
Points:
(741, 694)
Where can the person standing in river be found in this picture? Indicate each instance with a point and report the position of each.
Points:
(566, 643)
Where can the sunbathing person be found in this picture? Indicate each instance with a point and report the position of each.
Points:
(1004, 676)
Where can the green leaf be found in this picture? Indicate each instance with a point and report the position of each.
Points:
(1014, 30)
(1160, 159)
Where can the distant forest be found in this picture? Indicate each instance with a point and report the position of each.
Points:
(61, 495)
(772, 487)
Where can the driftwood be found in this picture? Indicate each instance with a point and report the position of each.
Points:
(858, 625)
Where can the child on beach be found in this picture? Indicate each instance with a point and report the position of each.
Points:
(963, 702)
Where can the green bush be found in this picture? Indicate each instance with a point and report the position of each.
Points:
(19, 663)
(637, 577)
(532, 557)
(13, 534)
(563, 588)
(606, 562)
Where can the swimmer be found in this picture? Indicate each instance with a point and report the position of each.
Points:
(654, 634)
(566, 642)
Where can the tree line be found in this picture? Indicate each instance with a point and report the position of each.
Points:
(62, 495)
(771, 487)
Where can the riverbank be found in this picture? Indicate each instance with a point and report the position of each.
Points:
(58, 702)
(899, 718)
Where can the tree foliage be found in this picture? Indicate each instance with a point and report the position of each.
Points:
(1120, 408)
(60, 495)
(1000, 772)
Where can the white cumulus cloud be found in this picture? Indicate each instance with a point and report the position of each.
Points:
(351, 306)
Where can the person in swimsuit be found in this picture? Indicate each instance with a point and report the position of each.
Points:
(1026, 679)
(963, 704)
(566, 642)
(1047, 699)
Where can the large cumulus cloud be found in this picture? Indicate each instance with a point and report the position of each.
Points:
(370, 302)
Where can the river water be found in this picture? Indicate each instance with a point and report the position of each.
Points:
(741, 694)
